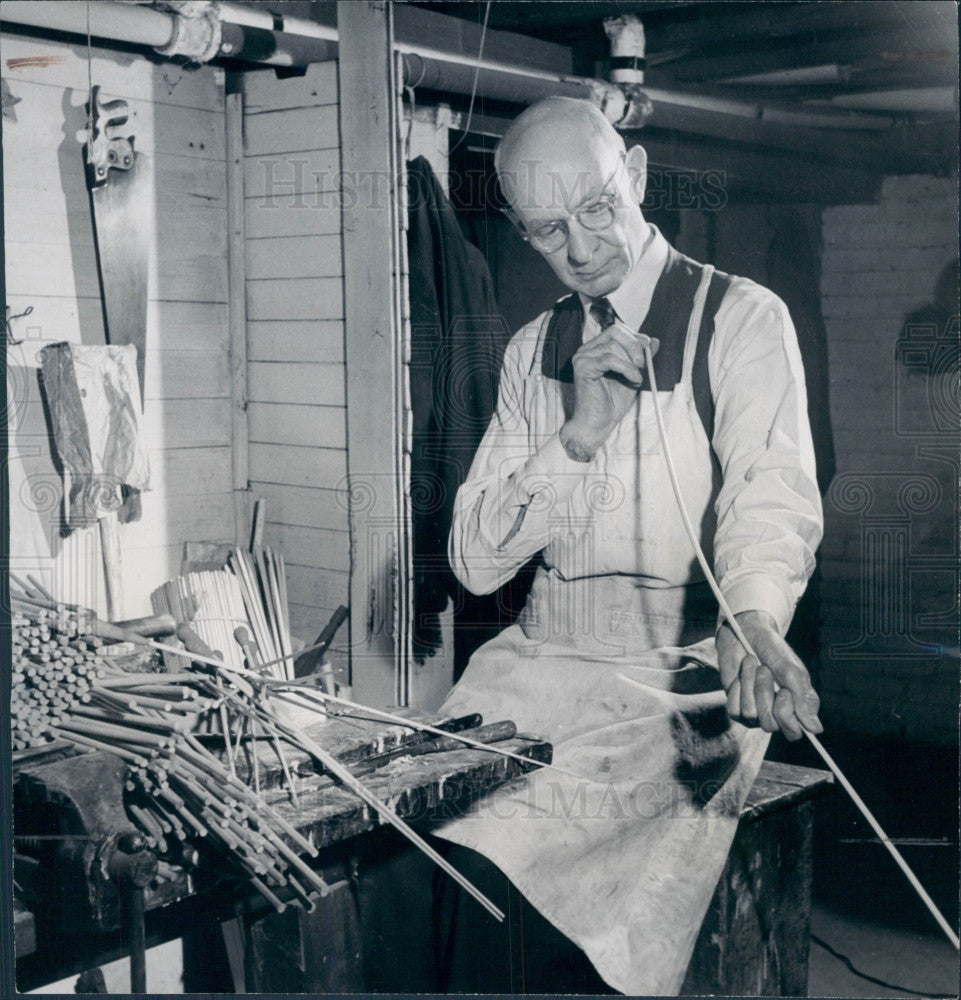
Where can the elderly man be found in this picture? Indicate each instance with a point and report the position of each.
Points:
(619, 658)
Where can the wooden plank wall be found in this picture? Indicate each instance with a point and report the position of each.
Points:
(295, 334)
(177, 117)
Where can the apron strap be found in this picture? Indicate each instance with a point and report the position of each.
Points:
(694, 324)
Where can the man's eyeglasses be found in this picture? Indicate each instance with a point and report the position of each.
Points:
(550, 236)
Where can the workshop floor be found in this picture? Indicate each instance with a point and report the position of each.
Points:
(864, 911)
(910, 962)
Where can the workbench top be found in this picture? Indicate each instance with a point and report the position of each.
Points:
(86, 792)
(781, 786)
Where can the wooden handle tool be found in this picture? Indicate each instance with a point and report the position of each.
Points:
(153, 626)
(247, 644)
(311, 659)
(194, 644)
(493, 733)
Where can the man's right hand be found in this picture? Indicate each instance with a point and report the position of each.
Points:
(608, 373)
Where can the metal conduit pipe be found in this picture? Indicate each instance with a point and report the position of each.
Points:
(255, 40)
(668, 100)
(200, 38)
(249, 43)
(431, 73)
(457, 77)
(114, 21)
(255, 17)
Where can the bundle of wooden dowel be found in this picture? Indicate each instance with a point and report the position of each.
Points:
(177, 788)
(263, 585)
(54, 667)
(64, 692)
(249, 593)
(211, 602)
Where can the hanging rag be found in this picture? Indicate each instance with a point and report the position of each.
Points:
(93, 396)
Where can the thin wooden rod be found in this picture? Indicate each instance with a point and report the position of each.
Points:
(386, 812)
(742, 639)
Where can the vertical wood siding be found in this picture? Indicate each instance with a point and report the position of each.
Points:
(295, 334)
(177, 118)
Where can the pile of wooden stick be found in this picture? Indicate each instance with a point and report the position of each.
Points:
(53, 670)
(263, 585)
(177, 789)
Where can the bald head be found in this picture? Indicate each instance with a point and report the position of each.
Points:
(546, 133)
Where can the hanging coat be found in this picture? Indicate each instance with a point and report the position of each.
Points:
(457, 342)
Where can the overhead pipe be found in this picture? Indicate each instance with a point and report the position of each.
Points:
(626, 103)
(826, 73)
(257, 17)
(673, 101)
(187, 30)
(117, 22)
(234, 31)
(457, 75)
(912, 99)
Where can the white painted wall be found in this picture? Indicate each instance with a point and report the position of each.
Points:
(295, 336)
(177, 118)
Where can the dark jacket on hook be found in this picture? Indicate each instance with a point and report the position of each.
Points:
(457, 342)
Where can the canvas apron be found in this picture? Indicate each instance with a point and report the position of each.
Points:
(619, 673)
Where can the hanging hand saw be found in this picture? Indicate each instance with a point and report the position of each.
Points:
(116, 177)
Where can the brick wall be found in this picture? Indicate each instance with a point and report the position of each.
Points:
(889, 656)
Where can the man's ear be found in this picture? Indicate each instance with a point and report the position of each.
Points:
(636, 162)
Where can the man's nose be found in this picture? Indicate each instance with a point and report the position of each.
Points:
(580, 243)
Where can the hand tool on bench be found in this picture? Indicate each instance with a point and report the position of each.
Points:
(461, 724)
(311, 660)
(152, 627)
(194, 644)
(495, 732)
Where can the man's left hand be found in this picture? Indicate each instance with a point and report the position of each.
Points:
(774, 689)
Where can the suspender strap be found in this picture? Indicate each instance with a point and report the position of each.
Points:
(694, 321)
(565, 326)
(700, 376)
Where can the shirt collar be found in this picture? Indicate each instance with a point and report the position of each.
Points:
(632, 298)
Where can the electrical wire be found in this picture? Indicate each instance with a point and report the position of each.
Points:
(90, 109)
(851, 967)
(473, 93)
(742, 638)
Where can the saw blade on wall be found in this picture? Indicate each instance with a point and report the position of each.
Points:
(119, 195)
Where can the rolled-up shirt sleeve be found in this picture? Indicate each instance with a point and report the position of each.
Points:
(507, 508)
(769, 516)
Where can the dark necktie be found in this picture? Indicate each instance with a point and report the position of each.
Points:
(603, 312)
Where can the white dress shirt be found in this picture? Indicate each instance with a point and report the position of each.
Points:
(521, 495)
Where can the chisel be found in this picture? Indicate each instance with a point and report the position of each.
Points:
(495, 732)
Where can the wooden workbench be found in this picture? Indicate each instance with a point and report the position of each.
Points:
(754, 940)
(756, 935)
(69, 810)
